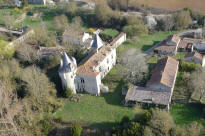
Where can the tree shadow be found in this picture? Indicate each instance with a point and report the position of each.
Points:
(53, 76)
(115, 97)
(148, 46)
(96, 129)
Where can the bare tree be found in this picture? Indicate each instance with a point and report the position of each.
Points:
(42, 37)
(27, 54)
(61, 22)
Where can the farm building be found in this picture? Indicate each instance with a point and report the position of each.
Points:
(195, 57)
(168, 46)
(159, 88)
(174, 44)
(77, 38)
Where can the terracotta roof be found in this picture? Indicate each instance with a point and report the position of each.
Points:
(142, 94)
(174, 38)
(164, 72)
(192, 40)
(166, 48)
(87, 66)
(195, 55)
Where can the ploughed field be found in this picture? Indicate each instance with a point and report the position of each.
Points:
(175, 4)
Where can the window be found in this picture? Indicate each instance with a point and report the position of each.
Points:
(107, 61)
(82, 80)
(112, 56)
(100, 69)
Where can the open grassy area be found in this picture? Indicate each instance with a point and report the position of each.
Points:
(103, 111)
(143, 43)
(110, 32)
(183, 114)
(174, 4)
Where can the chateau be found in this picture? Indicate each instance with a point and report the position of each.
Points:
(87, 76)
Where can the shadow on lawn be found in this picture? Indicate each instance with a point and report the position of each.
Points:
(115, 97)
(146, 47)
(187, 113)
(98, 129)
(55, 79)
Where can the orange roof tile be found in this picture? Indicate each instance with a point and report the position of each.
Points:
(164, 72)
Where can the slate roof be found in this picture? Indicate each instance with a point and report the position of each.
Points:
(66, 63)
(142, 94)
(97, 43)
(164, 72)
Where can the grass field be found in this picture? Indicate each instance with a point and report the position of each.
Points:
(143, 43)
(175, 4)
(103, 111)
(110, 32)
(184, 114)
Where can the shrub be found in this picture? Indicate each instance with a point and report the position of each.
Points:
(76, 130)
(46, 125)
(5, 52)
(29, 13)
(91, 30)
(182, 20)
(135, 30)
(68, 92)
(188, 67)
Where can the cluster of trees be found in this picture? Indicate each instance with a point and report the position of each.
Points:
(155, 123)
(35, 95)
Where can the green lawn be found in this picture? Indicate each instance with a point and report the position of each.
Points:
(110, 32)
(145, 42)
(99, 111)
(183, 114)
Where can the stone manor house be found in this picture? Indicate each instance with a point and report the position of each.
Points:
(87, 76)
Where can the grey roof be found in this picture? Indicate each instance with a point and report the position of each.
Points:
(66, 63)
(143, 94)
(97, 43)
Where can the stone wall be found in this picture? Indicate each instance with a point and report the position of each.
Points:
(107, 64)
(118, 40)
(89, 84)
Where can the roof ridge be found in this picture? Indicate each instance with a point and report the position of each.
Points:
(162, 78)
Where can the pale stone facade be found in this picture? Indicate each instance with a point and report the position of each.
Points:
(89, 73)
(77, 38)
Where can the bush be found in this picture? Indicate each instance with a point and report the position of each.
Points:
(188, 67)
(76, 130)
(182, 20)
(68, 92)
(135, 30)
(6, 53)
(46, 125)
